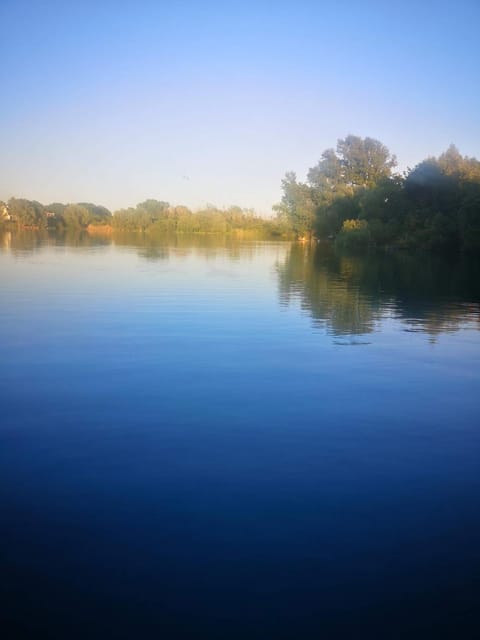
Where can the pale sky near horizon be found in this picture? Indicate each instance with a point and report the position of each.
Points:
(212, 102)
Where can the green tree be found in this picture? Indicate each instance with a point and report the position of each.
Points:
(326, 177)
(340, 177)
(297, 205)
(156, 209)
(75, 215)
(364, 161)
(28, 213)
(97, 213)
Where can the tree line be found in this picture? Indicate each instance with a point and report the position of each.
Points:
(159, 216)
(32, 214)
(148, 216)
(353, 196)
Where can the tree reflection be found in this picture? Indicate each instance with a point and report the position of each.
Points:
(159, 246)
(30, 240)
(321, 282)
(149, 246)
(349, 295)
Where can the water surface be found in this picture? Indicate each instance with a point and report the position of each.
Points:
(209, 438)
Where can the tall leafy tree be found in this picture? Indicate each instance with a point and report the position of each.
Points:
(326, 177)
(156, 209)
(297, 205)
(341, 175)
(76, 215)
(97, 212)
(364, 161)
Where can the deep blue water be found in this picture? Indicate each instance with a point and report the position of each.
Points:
(213, 439)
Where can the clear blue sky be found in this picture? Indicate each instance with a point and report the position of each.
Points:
(195, 102)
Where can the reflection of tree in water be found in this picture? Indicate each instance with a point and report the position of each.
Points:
(316, 277)
(350, 294)
(150, 246)
(29, 240)
(431, 293)
(6, 240)
(160, 246)
(24, 241)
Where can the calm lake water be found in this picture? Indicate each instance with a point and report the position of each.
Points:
(204, 438)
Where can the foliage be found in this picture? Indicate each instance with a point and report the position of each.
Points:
(354, 235)
(297, 207)
(331, 194)
(97, 214)
(28, 213)
(159, 217)
(152, 216)
(364, 162)
(436, 206)
(75, 215)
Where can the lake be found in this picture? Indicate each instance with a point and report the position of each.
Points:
(211, 438)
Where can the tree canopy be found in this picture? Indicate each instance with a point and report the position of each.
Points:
(436, 205)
